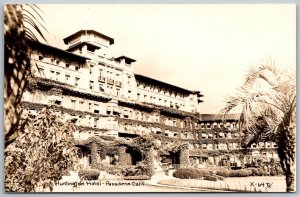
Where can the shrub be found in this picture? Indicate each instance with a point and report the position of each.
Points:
(211, 178)
(89, 174)
(139, 169)
(139, 177)
(223, 173)
(221, 178)
(190, 173)
(240, 173)
(255, 171)
(262, 172)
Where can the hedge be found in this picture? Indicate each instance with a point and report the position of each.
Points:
(89, 174)
(242, 173)
(190, 173)
(223, 173)
(140, 177)
(211, 178)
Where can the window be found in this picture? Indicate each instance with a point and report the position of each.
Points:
(129, 93)
(138, 96)
(90, 106)
(77, 79)
(233, 125)
(67, 77)
(57, 75)
(73, 104)
(41, 70)
(118, 91)
(95, 122)
(51, 74)
(81, 104)
(91, 69)
(57, 62)
(101, 89)
(96, 108)
(129, 80)
(91, 85)
(76, 68)
(67, 65)
(57, 102)
(40, 57)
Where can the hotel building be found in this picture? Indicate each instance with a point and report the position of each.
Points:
(105, 97)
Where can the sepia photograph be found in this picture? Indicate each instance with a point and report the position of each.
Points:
(149, 98)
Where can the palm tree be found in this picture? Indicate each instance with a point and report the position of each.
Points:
(270, 94)
(21, 23)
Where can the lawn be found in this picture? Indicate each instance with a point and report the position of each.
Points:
(243, 184)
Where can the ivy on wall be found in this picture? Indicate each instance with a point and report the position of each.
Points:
(45, 85)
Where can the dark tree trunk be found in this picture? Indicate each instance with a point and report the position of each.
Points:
(16, 68)
(286, 151)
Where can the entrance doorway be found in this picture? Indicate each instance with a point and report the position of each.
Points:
(132, 157)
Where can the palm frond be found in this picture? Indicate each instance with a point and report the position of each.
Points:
(33, 21)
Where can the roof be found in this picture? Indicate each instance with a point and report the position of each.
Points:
(128, 60)
(155, 81)
(77, 45)
(219, 117)
(79, 33)
(44, 47)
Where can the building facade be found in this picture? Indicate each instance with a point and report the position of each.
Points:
(107, 100)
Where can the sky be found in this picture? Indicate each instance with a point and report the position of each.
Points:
(201, 47)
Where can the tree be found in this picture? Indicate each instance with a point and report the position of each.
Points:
(43, 152)
(269, 93)
(21, 23)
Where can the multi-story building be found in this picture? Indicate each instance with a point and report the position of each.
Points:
(104, 97)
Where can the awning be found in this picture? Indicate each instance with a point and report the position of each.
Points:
(108, 108)
(204, 135)
(210, 135)
(221, 134)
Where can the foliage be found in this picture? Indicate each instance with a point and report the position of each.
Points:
(211, 178)
(270, 92)
(43, 152)
(139, 177)
(89, 174)
(21, 22)
(223, 173)
(190, 173)
(137, 170)
(67, 89)
(16, 68)
(240, 173)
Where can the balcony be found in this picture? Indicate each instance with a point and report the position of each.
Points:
(101, 79)
(110, 81)
(118, 83)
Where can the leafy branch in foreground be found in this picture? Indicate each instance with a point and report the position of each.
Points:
(42, 153)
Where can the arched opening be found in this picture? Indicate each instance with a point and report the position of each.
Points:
(175, 159)
(132, 156)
